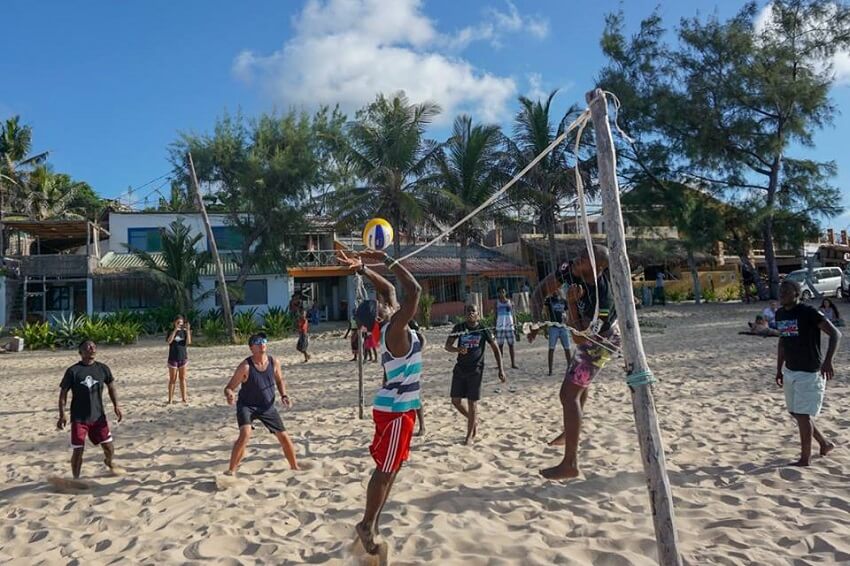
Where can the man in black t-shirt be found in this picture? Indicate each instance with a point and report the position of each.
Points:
(469, 369)
(593, 350)
(799, 367)
(86, 380)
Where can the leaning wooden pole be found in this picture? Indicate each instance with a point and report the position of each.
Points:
(219, 268)
(646, 421)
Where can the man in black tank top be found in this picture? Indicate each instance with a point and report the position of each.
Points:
(258, 376)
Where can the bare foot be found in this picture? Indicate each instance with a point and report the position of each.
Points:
(231, 473)
(296, 468)
(364, 533)
(560, 472)
(801, 463)
(826, 448)
(514, 366)
(559, 440)
(420, 432)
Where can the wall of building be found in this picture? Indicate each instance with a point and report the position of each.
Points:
(120, 223)
(278, 287)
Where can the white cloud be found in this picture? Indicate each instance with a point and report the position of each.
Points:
(840, 62)
(499, 23)
(347, 51)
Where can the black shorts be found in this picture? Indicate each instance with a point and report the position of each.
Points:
(466, 382)
(246, 415)
(303, 343)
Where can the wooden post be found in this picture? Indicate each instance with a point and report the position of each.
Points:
(360, 372)
(219, 269)
(646, 422)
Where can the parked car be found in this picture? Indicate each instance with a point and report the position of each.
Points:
(828, 281)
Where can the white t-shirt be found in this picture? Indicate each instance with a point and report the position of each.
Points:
(769, 315)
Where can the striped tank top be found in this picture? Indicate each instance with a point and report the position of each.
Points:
(401, 391)
(504, 315)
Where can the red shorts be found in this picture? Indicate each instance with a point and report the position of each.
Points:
(98, 433)
(393, 433)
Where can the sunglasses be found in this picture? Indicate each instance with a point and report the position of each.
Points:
(258, 341)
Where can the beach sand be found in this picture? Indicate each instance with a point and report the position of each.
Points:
(727, 438)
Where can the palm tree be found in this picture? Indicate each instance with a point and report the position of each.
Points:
(545, 186)
(468, 172)
(179, 266)
(391, 156)
(50, 195)
(15, 164)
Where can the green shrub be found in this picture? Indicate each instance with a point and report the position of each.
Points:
(426, 301)
(245, 322)
(676, 295)
(213, 329)
(38, 335)
(731, 293)
(709, 295)
(67, 330)
(277, 323)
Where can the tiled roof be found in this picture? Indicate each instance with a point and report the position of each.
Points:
(114, 262)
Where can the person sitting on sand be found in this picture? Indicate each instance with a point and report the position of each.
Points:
(256, 377)
(760, 328)
(85, 380)
(769, 314)
(592, 353)
(468, 373)
(394, 408)
(830, 312)
(799, 370)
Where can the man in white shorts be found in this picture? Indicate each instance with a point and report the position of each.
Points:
(799, 370)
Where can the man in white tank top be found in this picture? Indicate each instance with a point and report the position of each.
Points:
(394, 410)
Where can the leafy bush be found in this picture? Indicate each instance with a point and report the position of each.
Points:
(67, 330)
(426, 301)
(676, 295)
(245, 323)
(709, 295)
(731, 293)
(213, 329)
(277, 323)
(38, 335)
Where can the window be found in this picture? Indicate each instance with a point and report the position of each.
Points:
(145, 239)
(228, 238)
(444, 289)
(59, 298)
(255, 292)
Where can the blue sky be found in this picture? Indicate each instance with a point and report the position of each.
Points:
(107, 86)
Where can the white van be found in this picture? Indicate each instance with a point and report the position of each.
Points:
(826, 280)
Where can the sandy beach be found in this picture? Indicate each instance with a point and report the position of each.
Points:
(728, 439)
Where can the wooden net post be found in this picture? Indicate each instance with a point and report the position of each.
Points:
(646, 421)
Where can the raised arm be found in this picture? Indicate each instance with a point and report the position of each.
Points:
(239, 377)
(188, 334)
(398, 335)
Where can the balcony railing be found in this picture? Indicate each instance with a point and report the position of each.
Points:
(58, 265)
(316, 258)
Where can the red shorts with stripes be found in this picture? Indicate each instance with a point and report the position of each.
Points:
(393, 433)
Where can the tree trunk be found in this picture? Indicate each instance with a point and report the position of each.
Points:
(767, 229)
(692, 263)
(222, 290)
(748, 267)
(550, 233)
(464, 244)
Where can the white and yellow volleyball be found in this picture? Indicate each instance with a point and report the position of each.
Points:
(378, 234)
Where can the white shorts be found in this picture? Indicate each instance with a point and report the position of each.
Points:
(804, 391)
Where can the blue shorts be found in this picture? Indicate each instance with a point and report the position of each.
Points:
(557, 333)
(804, 391)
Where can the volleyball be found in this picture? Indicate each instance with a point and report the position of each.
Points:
(378, 234)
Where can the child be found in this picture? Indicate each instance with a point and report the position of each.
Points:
(303, 340)
(86, 380)
(798, 365)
